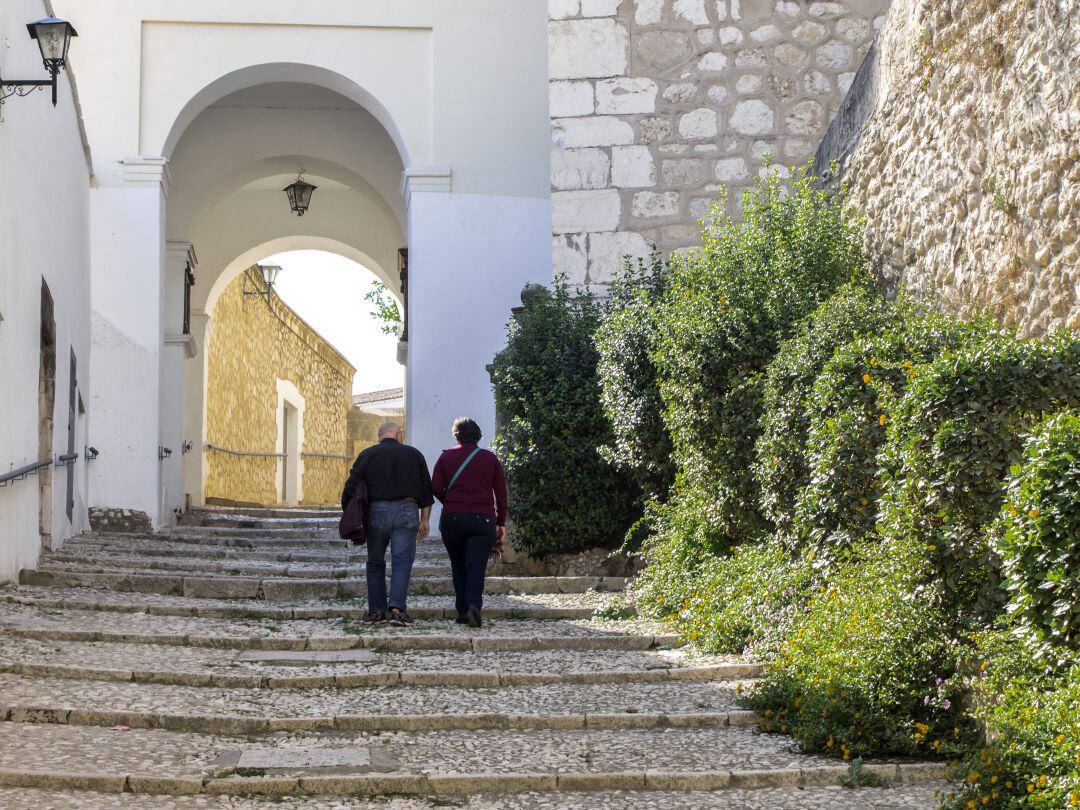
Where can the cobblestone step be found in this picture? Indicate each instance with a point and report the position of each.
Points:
(276, 589)
(254, 519)
(194, 514)
(210, 663)
(905, 796)
(534, 606)
(496, 634)
(389, 642)
(314, 550)
(254, 711)
(158, 548)
(552, 765)
(240, 536)
(98, 563)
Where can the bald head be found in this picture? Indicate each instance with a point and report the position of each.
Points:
(390, 430)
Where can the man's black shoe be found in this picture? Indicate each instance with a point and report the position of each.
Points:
(373, 617)
(472, 617)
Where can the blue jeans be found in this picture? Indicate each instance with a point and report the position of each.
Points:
(469, 539)
(393, 524)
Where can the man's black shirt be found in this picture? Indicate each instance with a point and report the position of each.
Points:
(392, 471)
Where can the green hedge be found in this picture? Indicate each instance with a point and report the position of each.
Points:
(729, 305)
(782, 467)
(850, 406)
(1037, 536)
(631, 400)
(958, 430)
(564, 496)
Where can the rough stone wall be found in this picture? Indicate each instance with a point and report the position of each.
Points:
(363, 430)
(962, 150)
(251, 346)
(656, 105)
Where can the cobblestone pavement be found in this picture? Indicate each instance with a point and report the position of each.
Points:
(120, 694)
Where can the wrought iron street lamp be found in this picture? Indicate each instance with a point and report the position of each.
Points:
(53, 37)
(269, 276)
(299, 193)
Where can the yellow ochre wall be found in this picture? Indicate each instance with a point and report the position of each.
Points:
(251, 347)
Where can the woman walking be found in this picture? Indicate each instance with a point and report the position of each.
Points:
(471, 485)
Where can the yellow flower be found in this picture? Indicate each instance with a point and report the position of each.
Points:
(932, 547)
(1033, 513)
(1031, 788)
(866, 378)
(1059, 738)
(873, 361)
(881, 420)
(1074, 799)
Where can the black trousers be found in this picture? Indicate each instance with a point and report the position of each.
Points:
(468, 538)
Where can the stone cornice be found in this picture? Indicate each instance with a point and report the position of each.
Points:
(186, 341)
(148, 171)
(426, 179)
(182, 252)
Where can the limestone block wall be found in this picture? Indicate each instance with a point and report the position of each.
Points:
(656, 105)
(251, 347)
(961, 146)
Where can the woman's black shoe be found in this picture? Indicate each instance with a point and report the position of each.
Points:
(461, 619)
(472, 617)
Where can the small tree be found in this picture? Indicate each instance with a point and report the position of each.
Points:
(564, 496)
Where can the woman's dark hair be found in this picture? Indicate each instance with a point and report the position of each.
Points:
(466, 430)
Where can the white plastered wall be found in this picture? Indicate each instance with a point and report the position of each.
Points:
(43, 234)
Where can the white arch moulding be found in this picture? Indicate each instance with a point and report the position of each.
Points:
(164, 120)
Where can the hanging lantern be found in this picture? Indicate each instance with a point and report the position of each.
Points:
(299, 194)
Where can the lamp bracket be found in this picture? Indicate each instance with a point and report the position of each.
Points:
(24, 87)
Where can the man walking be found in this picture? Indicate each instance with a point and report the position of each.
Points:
(399, 491)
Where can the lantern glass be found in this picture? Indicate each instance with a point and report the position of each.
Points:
(299, 193)
(53, 38)
(270, 273)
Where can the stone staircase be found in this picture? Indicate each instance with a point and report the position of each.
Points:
(220, 664)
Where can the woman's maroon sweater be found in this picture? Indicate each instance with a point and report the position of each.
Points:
(481, 487)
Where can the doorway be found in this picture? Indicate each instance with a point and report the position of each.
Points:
(46, 405)
(290, 443)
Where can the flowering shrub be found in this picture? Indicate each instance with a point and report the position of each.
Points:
(743, 603)
(1031, 712)
(869, 667)
(1038, 534)
(957, 431)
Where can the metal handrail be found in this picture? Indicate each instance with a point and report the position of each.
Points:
(324, 455)
(228, 452)
(23, 472)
